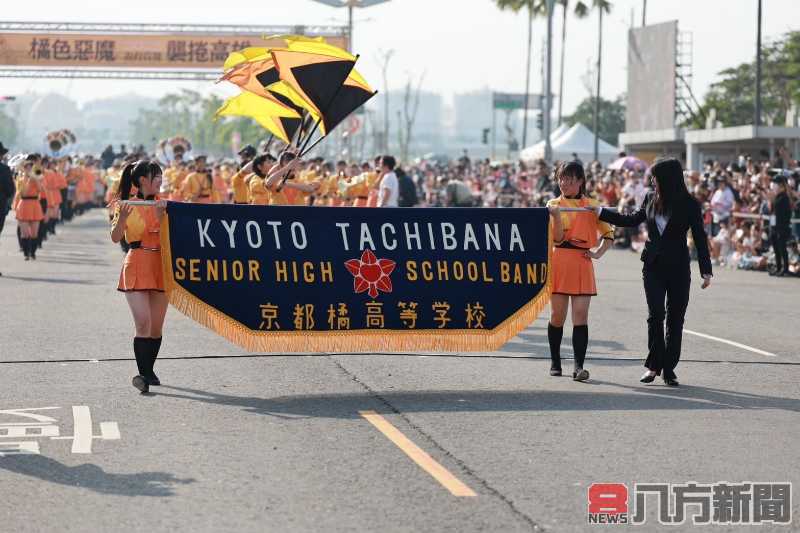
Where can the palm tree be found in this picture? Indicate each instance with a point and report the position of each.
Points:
(535, 8)
(581, 10)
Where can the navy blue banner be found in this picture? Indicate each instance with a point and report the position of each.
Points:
(357, 279)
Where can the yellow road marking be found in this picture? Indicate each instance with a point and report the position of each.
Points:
(418, 455)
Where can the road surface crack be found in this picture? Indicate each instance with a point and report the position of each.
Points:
(435, 444)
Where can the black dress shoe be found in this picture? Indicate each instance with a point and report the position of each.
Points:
(671, 382)
(647, 377)
(555, 372)
(153, 380)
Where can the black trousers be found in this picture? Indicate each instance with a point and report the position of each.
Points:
(671, 285)
(779, 236)
(3, 213)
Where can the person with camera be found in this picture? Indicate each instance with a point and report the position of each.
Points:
(141, 278)
(27, 205)
(670, 212)
(779, 222)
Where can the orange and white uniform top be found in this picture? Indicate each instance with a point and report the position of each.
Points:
(26, 202)
(257, 191)
(141, 270)
(53, 190)
(60, 181)
(113, 178)
(196, 188)
(219, 193)
(174, 176)
(240, 187)
(572, 272)
(85, 185)
(282, 195)
(358, 190)
(75, 175)
(581, 229)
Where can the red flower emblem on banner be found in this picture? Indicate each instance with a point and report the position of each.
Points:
(371, 274)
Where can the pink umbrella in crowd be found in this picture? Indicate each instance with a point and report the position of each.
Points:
(629, 163)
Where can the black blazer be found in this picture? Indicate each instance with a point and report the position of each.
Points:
(668, 249)
(782, 209)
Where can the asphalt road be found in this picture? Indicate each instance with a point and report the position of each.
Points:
(268, 442)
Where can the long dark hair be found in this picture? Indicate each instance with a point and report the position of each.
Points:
(132, 174)
(573, 169)
(671, 188)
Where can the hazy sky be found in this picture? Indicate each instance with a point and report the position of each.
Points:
(461, 45)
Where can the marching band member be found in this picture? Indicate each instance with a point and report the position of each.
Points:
(357, 190)
(373, 182)
(43, 197)
(63, 167)
(337, 183)
(113, 177)
(575, 236)
(198, 185)
(27, 206)
(74, 176)
(219, 194)
(240, 184)
(257, 191)
(141, 278)
(286, 192)
(52, 183)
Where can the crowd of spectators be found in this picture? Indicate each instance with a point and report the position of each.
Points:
(736, 198)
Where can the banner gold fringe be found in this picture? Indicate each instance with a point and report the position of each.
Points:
(379, 340)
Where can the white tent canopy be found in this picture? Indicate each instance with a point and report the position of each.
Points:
(529, 153)
(576, 140)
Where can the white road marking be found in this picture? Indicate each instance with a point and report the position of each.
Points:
(109, 431)
(732, 343)
(82, 442)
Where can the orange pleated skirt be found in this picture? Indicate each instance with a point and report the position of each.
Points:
(573, 274)
(29, 210)
(141, 271)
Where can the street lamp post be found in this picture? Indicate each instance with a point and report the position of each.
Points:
(757, 111)
(548, 95)
(350, 5)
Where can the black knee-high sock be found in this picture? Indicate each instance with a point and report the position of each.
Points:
(20, 239)
(554, 336)
(23, 243)
(140, 351)
(155, 346)
(580, 340)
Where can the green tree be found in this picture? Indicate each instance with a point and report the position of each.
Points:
(539, 8)
(733, 96)
(190, 114)
(611, 117)
(8, 129)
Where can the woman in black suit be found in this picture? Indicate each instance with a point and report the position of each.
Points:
(670, 212)
(780, 229)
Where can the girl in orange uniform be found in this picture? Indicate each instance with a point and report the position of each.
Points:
(575, 236)
(288, 191)
(52, 184)
(141, 278)
(26, 204)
